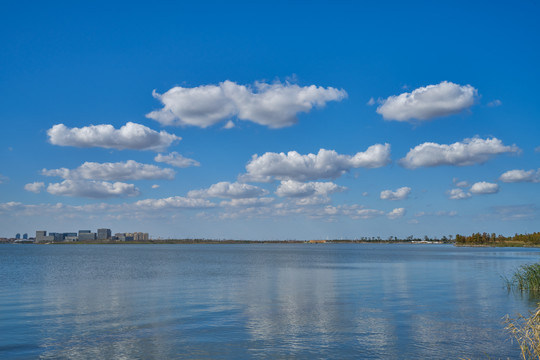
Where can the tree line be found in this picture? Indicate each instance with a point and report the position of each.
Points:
(493, 239)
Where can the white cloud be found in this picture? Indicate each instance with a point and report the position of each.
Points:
(483, 187)
(155, 186)
(426, 103)
(442, 213)
(521, 176)
(34, 187)
(292, 188)
(175, 159)
(463, 184)
(174, 202)
(11, 206)
(226, 189)
(399, 194)
(494, 103)
(129, 170)
(371, 101)
(229, 125)
(249, 202)
(458, 194)
(469, 152)
(92, 189)
(366, 214)
(396, 213)
(327, 164)
(130, 136)
(312, 200)
(274, 105)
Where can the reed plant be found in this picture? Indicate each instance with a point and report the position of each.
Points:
(526, 332)
(526, 278)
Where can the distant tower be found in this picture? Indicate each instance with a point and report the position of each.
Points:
(18, 236)
(25, 236)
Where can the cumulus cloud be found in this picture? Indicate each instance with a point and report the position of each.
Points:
(426, 103)
(229, 190)
(292, 188)
(327, 164)
(312, 200)
(399, 194)
(92, 189)
(129, 170)
(130, 136)
(273, 105)
(521, 176)
(396, 213)
(484, 187)
(458, 194)
(249, 202)
(174, 202)
(175, 159)
(155, 186)
(366, 214)
(469, 152)
(34, 187)
(142, 209)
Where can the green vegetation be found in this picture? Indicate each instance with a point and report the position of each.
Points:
(526, 278)
(486, 239)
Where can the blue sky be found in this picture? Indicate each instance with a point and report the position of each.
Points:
(270, 120)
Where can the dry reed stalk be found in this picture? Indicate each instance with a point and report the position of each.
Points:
(526, 332)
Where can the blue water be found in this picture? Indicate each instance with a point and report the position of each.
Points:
(339, 301)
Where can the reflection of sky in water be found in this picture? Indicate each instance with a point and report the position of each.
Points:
(251, 301)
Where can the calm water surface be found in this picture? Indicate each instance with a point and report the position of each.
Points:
(340, 301)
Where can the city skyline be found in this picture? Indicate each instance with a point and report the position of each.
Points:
(269, 125)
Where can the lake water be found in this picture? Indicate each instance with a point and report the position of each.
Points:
(338, 301)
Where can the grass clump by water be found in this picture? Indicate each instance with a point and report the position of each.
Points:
(526, 332)
(526, 278)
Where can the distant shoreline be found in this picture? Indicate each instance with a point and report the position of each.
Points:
(229, 242)
(258, 242)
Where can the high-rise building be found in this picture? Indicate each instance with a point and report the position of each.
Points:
(85, 235)
(18, 236)
(57, 236)
(104, 234)
(25, 236)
